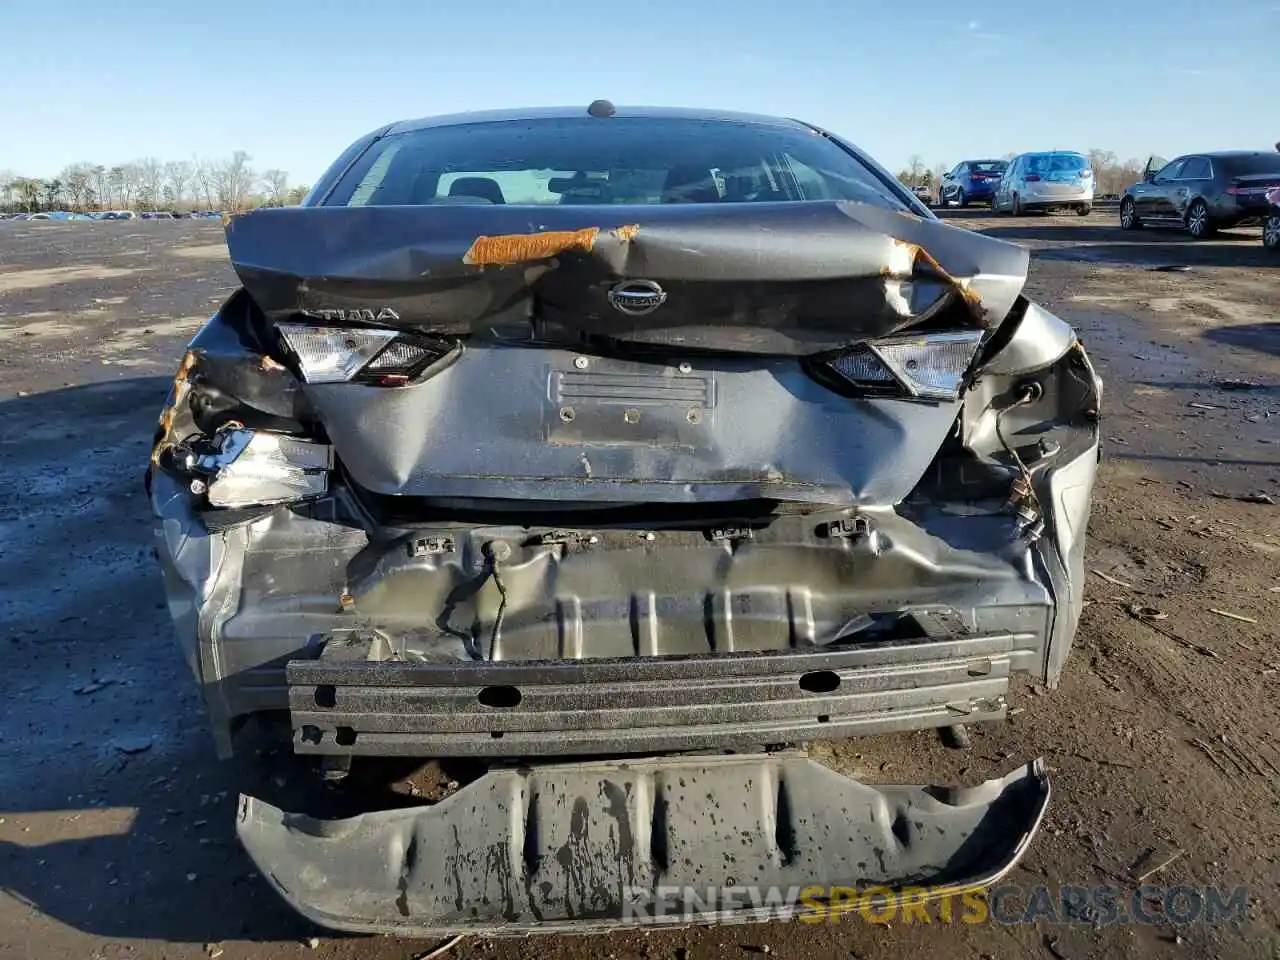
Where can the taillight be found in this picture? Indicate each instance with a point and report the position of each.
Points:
(1233, 191)
(1032, 178)
(927, 366)
(385, 358)
(241, 468)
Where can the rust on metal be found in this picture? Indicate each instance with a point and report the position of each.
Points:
(181, 385)
(914, 253)
(513, 248)
(971, 297)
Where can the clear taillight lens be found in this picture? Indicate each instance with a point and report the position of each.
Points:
(252, 467)
(333, 354)
(342, 354)
(928, 366)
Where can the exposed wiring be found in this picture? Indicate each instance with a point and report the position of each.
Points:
(502, 610)
(1023, 489)
(496, 552)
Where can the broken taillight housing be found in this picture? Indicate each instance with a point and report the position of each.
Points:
(363, 354)
(253, 467)
(929, 366)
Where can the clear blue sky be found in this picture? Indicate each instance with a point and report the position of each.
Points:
(294, 81)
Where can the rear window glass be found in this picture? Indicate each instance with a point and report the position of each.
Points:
(988, 166)
(1254, 164)
(1056, 163)
(616, 161)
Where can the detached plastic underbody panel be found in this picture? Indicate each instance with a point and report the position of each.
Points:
(590, 846)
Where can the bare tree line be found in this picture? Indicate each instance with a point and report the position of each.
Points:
(1110, 175)
(228, 184)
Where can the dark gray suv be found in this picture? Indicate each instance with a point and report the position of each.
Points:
(1203, 192)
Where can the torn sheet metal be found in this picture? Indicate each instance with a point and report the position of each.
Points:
(593, 846)
(780, 278)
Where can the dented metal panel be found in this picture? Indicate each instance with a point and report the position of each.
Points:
(779, 278)
(597, 845)
(620, 430)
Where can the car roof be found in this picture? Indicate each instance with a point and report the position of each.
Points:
(1226, 154)
(1052, 153)
(576, 112)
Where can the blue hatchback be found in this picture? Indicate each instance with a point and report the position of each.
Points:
(970, 180)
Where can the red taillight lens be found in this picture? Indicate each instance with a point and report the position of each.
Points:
(1234, 191)
(1032, 178)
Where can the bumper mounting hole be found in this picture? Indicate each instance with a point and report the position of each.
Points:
(819, 681)
(501, 698)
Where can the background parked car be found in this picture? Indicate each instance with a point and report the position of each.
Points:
(1041, 181)
(1271, 227)
(970, 180)
(1203, 192)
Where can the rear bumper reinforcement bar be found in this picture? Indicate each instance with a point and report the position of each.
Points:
(349, 702)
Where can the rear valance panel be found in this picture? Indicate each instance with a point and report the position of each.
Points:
(776, 278)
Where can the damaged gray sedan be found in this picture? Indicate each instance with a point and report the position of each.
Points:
(621, 452)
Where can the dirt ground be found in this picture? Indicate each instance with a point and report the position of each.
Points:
(116, 825)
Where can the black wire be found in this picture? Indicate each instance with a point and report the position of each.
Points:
(496, 634)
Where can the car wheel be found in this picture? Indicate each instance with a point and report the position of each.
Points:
(1129, 215)
(1084, 210)
(1015, 206)
(961, 199)
(1271, 232)
(1198, 224)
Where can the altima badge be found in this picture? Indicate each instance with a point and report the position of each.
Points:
(637, 297)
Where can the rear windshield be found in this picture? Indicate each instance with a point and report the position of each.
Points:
(988, 166)
(1056, 163)
(1252, 164)
(615, 161)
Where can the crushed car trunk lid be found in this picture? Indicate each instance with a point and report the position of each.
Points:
(776, 278)
(529, 417)
(591, 846)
